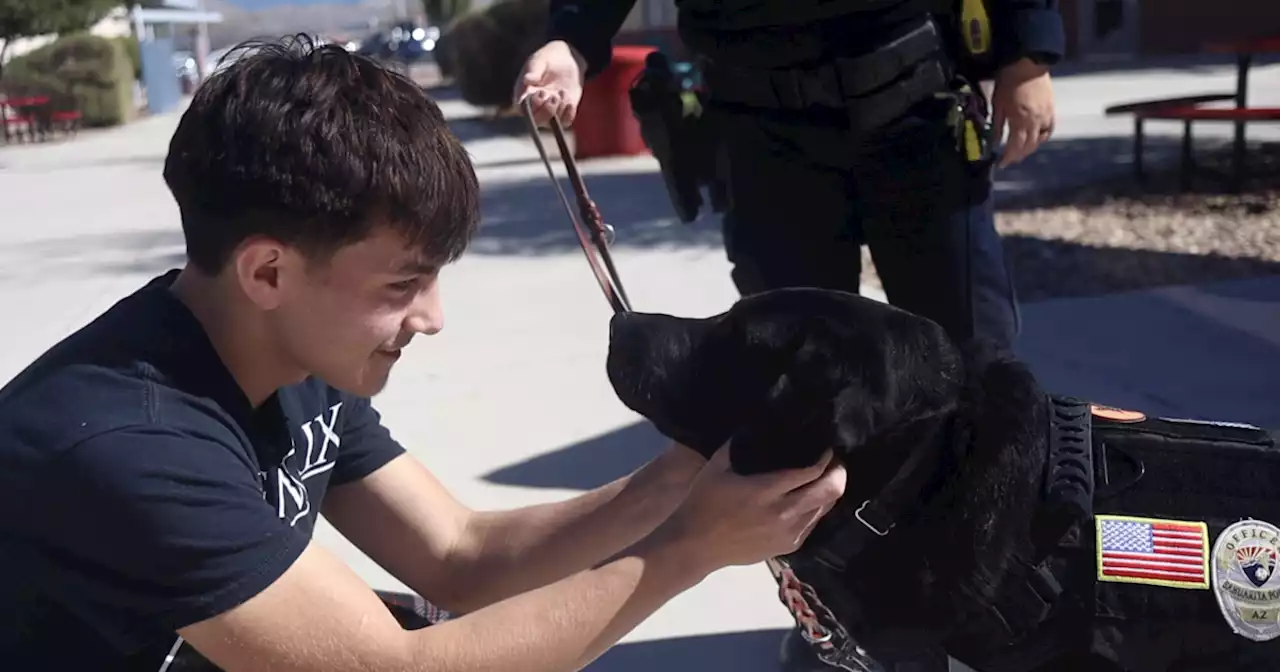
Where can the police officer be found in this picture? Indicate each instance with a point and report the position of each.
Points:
(851, 122)
(838, 129)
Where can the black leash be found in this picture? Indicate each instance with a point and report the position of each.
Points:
(595, 236)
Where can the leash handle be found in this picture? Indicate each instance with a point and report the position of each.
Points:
(595, 236)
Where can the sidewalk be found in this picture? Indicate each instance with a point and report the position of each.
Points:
(510, 406)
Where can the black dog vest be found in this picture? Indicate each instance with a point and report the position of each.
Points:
(1143, 522)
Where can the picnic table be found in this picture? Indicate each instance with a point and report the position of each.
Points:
(1194, 108)
(1244, 51)
(34, 117)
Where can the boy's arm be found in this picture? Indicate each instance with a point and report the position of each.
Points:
(403, 518)
(320, 617)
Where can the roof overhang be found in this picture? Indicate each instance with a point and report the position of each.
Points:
(176, 16)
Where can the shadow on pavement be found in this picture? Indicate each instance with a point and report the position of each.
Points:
(443, 93)
(1089, 171)
(148, 251)
(750, 651)
(1207, 352)
(511, 162)
(1097, 231)
(152, 265)
(1057, 172)
(480, 127)
(586, 464)
(1061, 165)
(1041, 268)
(527, 218)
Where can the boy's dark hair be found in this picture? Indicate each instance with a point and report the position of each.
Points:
(315, 146)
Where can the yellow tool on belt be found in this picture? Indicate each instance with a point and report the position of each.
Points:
(975, 32)
(968, 122)
(972, 143)
(975, 26)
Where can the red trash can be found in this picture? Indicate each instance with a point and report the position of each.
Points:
(604, 125)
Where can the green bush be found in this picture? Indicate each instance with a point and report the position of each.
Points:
(442, 12)
(487, 48)
(444, 52)
(131, 49)
(83, 72)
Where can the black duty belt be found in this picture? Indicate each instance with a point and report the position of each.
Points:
(872, 86)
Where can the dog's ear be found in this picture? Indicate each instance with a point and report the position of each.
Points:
(653, 367)
(839, 382)
(786, 430)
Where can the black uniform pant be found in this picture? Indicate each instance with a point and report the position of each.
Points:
(805, 194)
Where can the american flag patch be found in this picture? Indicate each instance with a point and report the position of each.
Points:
(1172, 553)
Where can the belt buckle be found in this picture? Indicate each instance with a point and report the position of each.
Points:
(858, 514)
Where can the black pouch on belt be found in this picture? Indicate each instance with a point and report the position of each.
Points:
(875, 88)
(659, 105)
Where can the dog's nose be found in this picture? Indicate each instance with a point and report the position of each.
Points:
(616, 323)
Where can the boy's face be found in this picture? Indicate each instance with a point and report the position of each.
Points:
(346, 320)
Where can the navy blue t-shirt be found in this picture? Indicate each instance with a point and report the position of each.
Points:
(140, 492)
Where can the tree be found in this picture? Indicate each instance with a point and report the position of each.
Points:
(29, 18)
(487, 48)
(442, 12)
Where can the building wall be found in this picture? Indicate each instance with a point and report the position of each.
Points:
(1181, 27)
(1184, 26)
(1070, 25)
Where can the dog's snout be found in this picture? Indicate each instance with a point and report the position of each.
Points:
(617, 324)
(626, 338)
(644, 352)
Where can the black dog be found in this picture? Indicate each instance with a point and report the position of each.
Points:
(984, 519)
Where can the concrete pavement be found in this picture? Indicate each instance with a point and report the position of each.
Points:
(507, 421)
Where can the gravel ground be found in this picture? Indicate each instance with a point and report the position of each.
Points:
(1113, 237)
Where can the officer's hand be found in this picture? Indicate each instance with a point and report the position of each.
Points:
(552, 79)
(729, 519)
(1023, 97)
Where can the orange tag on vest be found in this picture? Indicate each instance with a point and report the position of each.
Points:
(1116, 414)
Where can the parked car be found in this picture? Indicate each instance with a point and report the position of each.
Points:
(404, 42)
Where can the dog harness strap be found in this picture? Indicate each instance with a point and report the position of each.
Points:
(1010, 633)
(1026, 602)
(1024, 625)
(1069, 477)
(1032, 589)
(878, 515)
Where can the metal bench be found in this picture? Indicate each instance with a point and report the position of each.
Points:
(1190, 114)
(1141, 109)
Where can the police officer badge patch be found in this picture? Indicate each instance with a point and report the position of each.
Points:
(1244, 578)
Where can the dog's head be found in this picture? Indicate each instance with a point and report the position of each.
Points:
(957, 435)
(784, 375)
